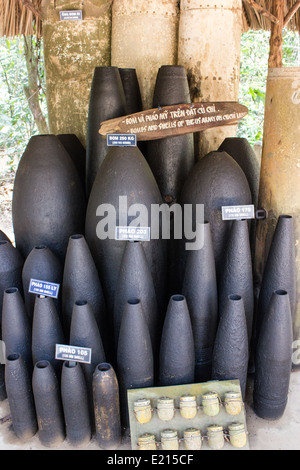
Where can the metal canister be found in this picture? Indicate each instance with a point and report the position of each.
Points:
(165, 408)
(142, 410)
(192, 439)
(237, 435)
(233, 403)
(169, 439)
(147, 442)
(211, 403)
(188, 406)
(215, 436)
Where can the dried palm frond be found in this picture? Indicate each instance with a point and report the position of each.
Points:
(20, 17)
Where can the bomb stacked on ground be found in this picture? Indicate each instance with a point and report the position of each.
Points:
(152, 312)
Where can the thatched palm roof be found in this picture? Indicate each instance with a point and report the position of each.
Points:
(18, 17)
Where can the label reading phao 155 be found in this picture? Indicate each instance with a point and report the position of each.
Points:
(48, 289)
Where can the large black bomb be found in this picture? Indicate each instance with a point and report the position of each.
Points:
(48, 199)
(171, 158)
(236, 273)
(215, 181)
(280, 268)
(231, 348)
(177, 353)
(81, 282)
(200, 290)
(124, 189)
(135, 365)
(273, 359)
(107, 101)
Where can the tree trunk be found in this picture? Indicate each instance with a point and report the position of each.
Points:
(32, 90)
(276, 39)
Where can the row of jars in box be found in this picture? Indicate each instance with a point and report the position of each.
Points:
(188, 406)
(192, 439)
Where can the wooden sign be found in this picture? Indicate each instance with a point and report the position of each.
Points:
(175, 120)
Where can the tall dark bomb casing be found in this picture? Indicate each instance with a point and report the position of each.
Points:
(10, 269)
(280, 269)
(124, 186)
(16, 326)
(81, 282)
(20, 397)
(48, 199)
(131, 90)
(171, 158)
(273, 358)
(135, 365)
(84, 332)
(135, 281)
(177, 352)
(75, 404)
(48, 405)
(236, 274)
(200, 290)
(47, 331)
(231, 348)
(107, 101)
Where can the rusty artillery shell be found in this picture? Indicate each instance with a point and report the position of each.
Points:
(106, 406)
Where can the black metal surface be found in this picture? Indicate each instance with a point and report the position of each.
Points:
(48, 199)
(273, 359)
(177, 353)
(231, 348)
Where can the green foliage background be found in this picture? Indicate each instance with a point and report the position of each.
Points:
(17, 124)
(253, 76)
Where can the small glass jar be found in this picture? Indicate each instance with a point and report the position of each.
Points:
(192, 439)
(233, 403)
(169, 439)
(147, 442)
(211, 403)
(215, 436)
(165, 408)
(237, 435)
(142, 410)
(188, 406)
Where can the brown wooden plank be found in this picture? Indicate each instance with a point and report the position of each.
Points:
(174, 120)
